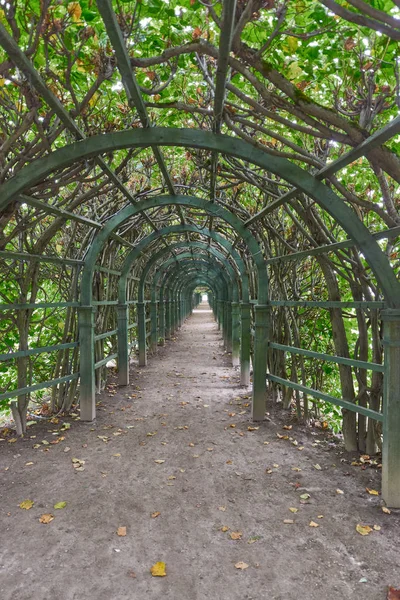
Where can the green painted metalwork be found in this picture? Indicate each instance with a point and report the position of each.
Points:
(38, 386)
(372, 414)
(33, 351)
(305, 182)
(329, 358)
(391, 409)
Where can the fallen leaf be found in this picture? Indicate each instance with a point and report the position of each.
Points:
(224, 528)
(67, 449)
(159, 462)
(47, 518)
(241, 565)
(156, 514)
(339, 491)
(288, 521)
(363, 529)
(252, 428)
(60, 505)
(282, 437)
(393, 593)
(386, 510)
(377, 527)
(293, 510)
(296, 469)
(288, 427)
(266, 443)
(318, 467)
(313, 524)
(28, 464)
(12, 440)
(117, 455)
(236, 535)
(372, 492)
(305, 496)
(121, 531)
(158, 570)
(26, 504)
(191, 445)
(131, 574)
(223, 508)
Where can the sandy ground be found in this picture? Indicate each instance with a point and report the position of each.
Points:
(216, 479)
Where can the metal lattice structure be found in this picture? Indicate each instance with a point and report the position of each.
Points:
(186, 229)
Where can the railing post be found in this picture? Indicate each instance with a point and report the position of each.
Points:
(87, 383)
(228, 337)
(391, 409)
(154, 326)
(260, 361)
(161, 312)
(123, 350)
(235, 334)
(245, 344)
(141, 313)
(167, 319)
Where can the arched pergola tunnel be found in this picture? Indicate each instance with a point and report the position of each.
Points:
(189, 240)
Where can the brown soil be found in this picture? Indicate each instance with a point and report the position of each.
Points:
(187, 409)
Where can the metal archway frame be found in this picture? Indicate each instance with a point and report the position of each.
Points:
(189, 138)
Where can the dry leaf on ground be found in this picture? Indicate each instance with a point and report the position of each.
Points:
(60, 505)
(288, 521)
(313, 524)
(372, 492)
(47, 518)
(224, 528)
(393, 593)
(236, 535)
(155, 514)
(159, 461)
(363, 529)
(27, 504)
(121, 531)
(241, 565)
(158, 570)
(386, 510)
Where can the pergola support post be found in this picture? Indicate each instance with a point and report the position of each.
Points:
(161, 313)
(228, 336)
(87, 391)
(245, 344)
(123, 350)
(235, 334)
(391, 409)
(154, 326)
(260, 361)
(141, 312)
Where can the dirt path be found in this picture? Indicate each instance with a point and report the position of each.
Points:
(187, 410)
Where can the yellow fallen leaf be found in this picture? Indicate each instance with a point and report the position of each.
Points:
(171, 477)
(224, 528)
(252, 428)
(372, 492)
(117, 455)
(241, 565)
(191, 445)
(156, 514)
(275, 466)
(293, 510)
(266, 443)
(386, 510)
(288, 427)
(339, 491)
(159, 461)
(363, 529)
(232, 425)
(236, 535)
(320, 517)
(28, 464)
(296, 469)
(313, 524)
(158, 570)
(47, 518)
(288, 521)
(26, 504)
(223, 508)
(282, 437)
(318, 467)
(60, 505)
(377, 527)
(121, 531)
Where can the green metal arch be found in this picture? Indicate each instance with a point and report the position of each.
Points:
(155, 201)
(179, 257)
(141, 138)
(135, 253)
